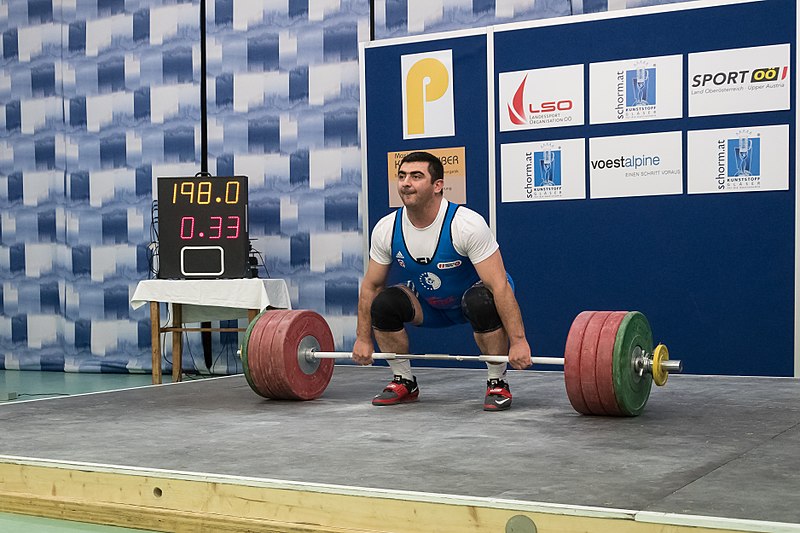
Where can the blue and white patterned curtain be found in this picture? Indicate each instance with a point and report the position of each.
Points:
(100, 97)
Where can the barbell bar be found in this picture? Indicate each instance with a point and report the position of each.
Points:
(389, 356)
(609, 362)
(642, 364)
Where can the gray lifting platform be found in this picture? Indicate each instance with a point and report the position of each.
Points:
(708, 454)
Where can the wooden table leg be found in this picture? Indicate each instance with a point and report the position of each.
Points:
(251, 315)
(177, 342)
(155, 341)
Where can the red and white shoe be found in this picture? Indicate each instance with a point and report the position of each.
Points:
(498, 395)
(399, 390)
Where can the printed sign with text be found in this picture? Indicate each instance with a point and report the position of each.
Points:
(544, 170)
(636, 165)
(541, 98)
(738, 159)
(636, 89)
(743, 80)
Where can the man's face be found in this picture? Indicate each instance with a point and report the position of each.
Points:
(414, 184)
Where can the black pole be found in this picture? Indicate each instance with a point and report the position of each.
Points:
(205, 335)
(371, 20)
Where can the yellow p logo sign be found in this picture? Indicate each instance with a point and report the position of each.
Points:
(427, 81)
(428, 95)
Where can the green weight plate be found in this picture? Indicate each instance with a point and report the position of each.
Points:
(634, 337)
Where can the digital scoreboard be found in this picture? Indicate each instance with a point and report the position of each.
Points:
(202, 227)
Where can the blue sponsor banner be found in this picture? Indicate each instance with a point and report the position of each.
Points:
(714, 273)
(693, 263)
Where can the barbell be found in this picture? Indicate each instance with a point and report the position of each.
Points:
(609, 359)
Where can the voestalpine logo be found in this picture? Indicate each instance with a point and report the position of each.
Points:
(541, 98)
(427, 87)
(636, 165)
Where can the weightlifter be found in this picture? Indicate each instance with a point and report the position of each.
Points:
(450, 272)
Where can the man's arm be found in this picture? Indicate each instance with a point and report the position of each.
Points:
(374, 280)
(492, 272)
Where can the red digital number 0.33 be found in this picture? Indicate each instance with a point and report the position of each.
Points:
(220, 227)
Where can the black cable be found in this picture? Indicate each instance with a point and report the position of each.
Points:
(152, 248)
(191, 353)
(263, 263)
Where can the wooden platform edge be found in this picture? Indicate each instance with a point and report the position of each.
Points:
(135, 498)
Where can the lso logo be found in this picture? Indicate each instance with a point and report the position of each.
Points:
(744, 155)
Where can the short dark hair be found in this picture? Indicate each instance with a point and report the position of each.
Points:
(435, 167)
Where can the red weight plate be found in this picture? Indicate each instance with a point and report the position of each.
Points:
(252, 353)
(572, 361)
(258, 353)
(604, 368)
(589, 361)
(287, 379)
(271, 370)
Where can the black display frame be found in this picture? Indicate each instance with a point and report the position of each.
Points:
(203, 230)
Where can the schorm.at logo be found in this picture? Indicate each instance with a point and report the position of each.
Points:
(744, 155)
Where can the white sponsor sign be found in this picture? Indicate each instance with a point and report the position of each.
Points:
(742, 80)
(636, 89)
(428, 109)
(543, 170)
(738, 159)
(636, 165)
(541, 98)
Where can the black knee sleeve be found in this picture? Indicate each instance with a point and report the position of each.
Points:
(478, 306)
(390, 309)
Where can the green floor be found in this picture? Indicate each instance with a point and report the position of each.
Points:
(31, 385)
(12, 523)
